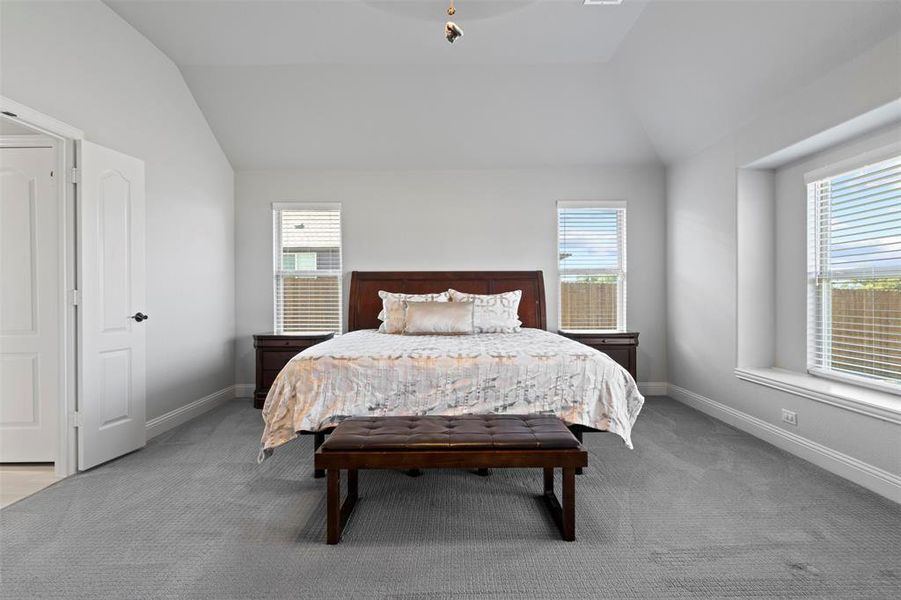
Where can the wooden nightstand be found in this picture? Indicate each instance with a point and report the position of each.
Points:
(621, 346)
(274, 350)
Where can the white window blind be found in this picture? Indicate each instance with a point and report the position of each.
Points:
(591, 240)
(307, 265)
(854, 275)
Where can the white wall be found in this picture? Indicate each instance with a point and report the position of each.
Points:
(80, 63)
(756, 263)
(456, 220)
(701, 258)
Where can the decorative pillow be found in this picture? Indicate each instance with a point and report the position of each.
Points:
(438, 318)
(393, 308)
(495, 313)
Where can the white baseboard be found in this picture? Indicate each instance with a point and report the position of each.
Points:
(873, 478)
(653, 388)
(244, 390)
(185, 413)
(864, 474)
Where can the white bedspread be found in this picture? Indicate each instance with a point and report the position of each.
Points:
(366, 373)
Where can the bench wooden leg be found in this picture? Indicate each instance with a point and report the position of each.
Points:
(333, 510)
(337, 514)
(483, 472)
(569, 505)
(318, 439)
(564, 515)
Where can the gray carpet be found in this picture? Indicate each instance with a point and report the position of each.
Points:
(697, 510)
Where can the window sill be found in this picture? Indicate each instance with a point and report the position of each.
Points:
(873, 403)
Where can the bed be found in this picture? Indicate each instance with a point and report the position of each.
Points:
(367, 373)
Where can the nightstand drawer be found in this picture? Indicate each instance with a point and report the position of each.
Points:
(269, 377)
(273, 351)
(601, 341)
(276, 359)
(620, 354)
(621, 346)
(276, 344)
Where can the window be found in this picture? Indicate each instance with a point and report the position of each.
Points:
(307, 265)
(854, 275)
(591, 242)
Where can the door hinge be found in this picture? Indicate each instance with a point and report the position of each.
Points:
(75, 175)
(76, 419)
(75, 297)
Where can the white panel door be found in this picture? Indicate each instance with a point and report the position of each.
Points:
(30, 305)
(111, 323)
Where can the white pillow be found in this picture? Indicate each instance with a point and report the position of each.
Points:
(493, 313)
(438, 318)
(394, 308)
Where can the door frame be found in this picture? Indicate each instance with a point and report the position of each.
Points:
(64, 137)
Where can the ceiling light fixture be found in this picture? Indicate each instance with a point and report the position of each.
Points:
(602, 2)
(451, 30)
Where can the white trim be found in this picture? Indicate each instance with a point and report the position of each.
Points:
(64, 136)
(820, 267)
(306, 206)
(878, 404)
(616, 204)
(653, 388)
(864, 474)
(873, 478)
(854, 163)
(887, 115)
(34, 119)
(27, 141)
(276, 258)
(244, 390)
(858, 381)
(185, 413)
(622, 271)
(277, 208)
(64, 463)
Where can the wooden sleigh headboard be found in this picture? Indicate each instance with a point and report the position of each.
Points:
(365, 304)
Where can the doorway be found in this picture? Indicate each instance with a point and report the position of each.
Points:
(98, 294)
(32, 276)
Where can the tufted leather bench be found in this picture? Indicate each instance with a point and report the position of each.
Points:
(462, 442)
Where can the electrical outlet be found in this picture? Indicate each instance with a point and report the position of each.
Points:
(790, 417)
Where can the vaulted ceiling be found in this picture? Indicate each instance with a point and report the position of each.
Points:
(373, 84)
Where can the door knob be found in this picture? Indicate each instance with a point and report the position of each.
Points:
(139, 317)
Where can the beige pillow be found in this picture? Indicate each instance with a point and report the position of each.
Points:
(492, 313)
(438, 318)
(394, 308)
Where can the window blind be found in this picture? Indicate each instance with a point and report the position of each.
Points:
(307, 265)
(854, 275)
(591, 239)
